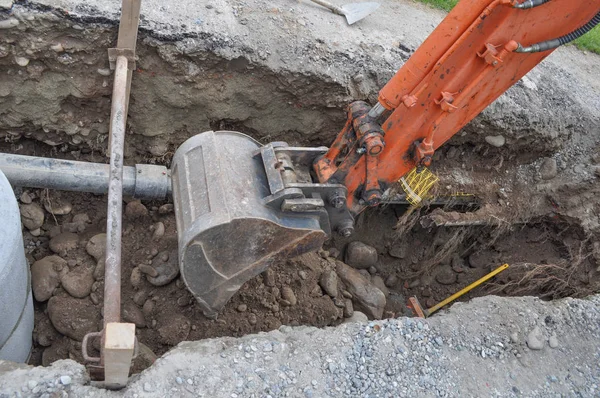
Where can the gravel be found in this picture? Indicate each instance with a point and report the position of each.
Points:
(478, 348)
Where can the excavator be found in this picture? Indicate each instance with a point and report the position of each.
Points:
(242, 206)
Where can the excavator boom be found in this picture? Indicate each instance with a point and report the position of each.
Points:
(277, 201)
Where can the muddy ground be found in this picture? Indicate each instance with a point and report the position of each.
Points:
(238, 69)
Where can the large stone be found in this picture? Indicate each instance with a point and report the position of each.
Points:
(63, 243)
(96, 246)
(378, 281)
(328, 282)
(548, 169)
(32, 216)
(361, 256)
(78, 282)
(45, 276)
(366, 295)
(73, 317)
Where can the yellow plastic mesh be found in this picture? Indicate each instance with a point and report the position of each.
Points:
(416, 185)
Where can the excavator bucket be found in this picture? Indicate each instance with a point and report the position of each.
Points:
(227, 233)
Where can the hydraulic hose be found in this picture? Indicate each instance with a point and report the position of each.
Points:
(530, 4)
(554, 43)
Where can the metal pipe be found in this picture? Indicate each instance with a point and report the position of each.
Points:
(114, 217)
(142, 181)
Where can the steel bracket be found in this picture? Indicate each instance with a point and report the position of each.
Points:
(114, 53)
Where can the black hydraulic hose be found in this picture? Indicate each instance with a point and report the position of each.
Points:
(554, 43)
(530, 4)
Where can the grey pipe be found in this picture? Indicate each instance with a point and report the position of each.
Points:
(142, 181)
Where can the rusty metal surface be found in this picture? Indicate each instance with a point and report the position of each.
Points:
(112, 278)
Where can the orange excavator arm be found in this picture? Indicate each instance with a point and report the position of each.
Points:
(242, 206)
(479, 50)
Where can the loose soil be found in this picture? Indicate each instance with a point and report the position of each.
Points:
(549, 258)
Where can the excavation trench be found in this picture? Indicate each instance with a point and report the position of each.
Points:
(55, 90)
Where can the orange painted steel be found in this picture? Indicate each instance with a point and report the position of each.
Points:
(461, 68)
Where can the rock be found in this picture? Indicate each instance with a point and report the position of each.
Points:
(495, 140)
(25, 198)
(242, 308)
(288, 294)
(146, 358)
(135, 209)
(166, 208)
(548, 169)
(348, 308)
(159, 231)
(81, 218)
(22, 61)
(334, 252)
(65, 380)
(316, 291)
(136, 277)
(357, 317)
(9, 23)
(391, 280)
(174, 329)
(32, 216)
(553, 341)
(132, 313)
(365, 294)
(166, 266)
(148, 308)
(378, 281)
(372, 270)
(58, 350)
(328, 282)
(73, 317)
(269, 277)
(94, 297)
(360, 256)
(96, 246)
(36, 232)
(45, 276)
(44, 333)
(58, 207)
(514, 337)
(140, 297)
(99, 270)
(478, 260)
(303, 275)
(446, 276)
(78, 282)
(148, 270)
(535, 340)
(398, 250)
(63, 243)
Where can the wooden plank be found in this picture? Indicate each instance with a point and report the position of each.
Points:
(119, 344)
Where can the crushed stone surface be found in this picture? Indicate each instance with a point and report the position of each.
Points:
(475, 349)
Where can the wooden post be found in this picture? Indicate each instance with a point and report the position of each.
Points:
(119, 344)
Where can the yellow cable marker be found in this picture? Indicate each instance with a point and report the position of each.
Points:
(424, 313)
